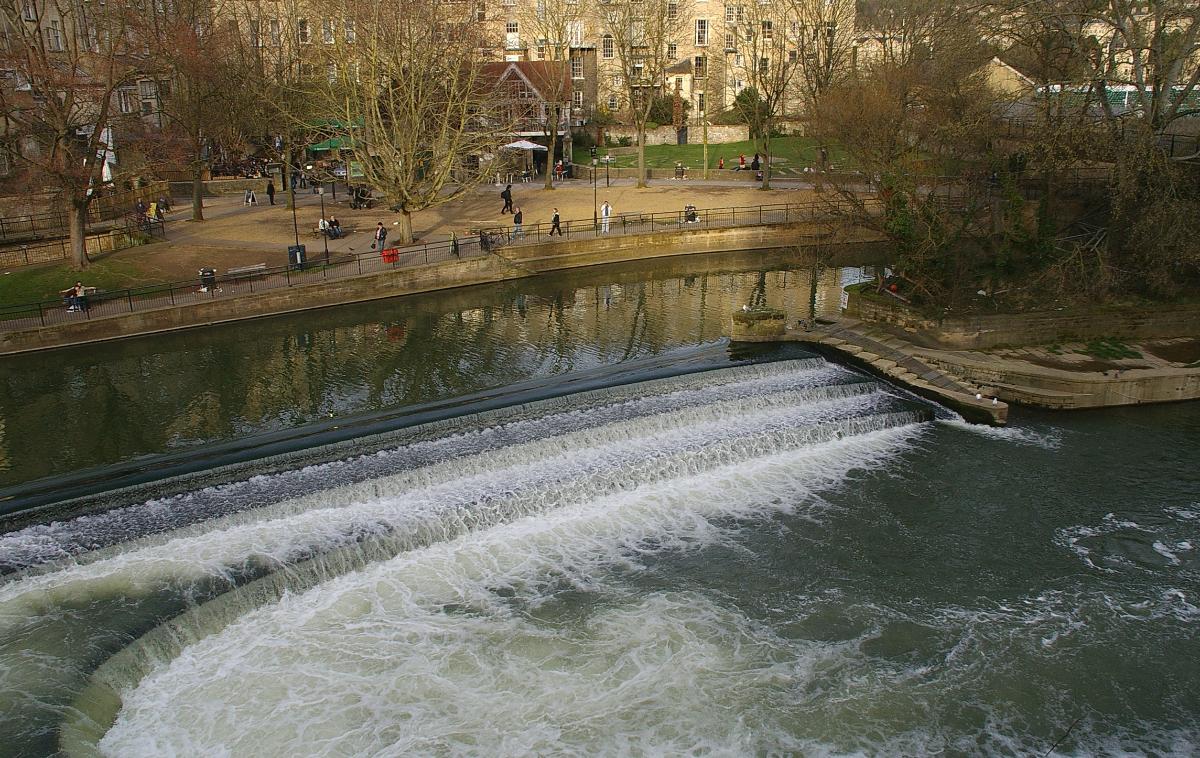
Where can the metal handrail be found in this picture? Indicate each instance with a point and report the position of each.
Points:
(482, 243)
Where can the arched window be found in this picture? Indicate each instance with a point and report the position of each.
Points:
(607, 47)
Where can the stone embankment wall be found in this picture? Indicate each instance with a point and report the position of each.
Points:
(1051, 388)
(982, 332)
(510, 263)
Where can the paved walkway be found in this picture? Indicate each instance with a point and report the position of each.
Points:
(233, 235)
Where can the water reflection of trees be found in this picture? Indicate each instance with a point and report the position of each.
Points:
(110, 402)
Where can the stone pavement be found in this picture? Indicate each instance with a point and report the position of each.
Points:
(233, 235)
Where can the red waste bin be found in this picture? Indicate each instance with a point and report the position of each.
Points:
(390, 255)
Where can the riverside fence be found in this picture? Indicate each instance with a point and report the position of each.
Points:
(249, 280)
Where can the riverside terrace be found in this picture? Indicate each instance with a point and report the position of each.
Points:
(254, 279)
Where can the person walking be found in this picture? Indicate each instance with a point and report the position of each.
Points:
(605, 213)
(518, 217)
(271, 190)
(380, 236)
(554, 227)
(721, 162)
(506, 196)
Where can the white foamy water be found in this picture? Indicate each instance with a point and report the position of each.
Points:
(430, 444)
(438, 501)
(1049, 440)
(442, 649)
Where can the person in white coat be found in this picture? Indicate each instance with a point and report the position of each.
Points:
(605, 213)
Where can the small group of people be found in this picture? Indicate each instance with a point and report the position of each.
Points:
(741, 164)
(331, 228)
(155, 210)
(76, 296)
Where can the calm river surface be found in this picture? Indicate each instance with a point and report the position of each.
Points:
(612, 536)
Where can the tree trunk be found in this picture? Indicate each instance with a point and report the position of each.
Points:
(404, 230)
(553, 139)
(766, 161)
(641, 135)
(198, 192)
(77, 224)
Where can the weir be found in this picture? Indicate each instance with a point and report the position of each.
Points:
(637, 456)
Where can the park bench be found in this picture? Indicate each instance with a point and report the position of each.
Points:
(242, 272)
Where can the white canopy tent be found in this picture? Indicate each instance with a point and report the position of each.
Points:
(527, 148)
(523, 144)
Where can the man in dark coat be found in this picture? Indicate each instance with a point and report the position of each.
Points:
(506, 196)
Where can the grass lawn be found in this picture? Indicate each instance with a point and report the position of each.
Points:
(35, 283)
(791, 154)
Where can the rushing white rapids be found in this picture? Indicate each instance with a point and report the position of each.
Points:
(524, 501)
(441, 649)
(428, 444)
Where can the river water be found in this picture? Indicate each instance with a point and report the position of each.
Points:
(609, 535)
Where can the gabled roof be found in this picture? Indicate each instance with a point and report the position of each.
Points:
(541, 76)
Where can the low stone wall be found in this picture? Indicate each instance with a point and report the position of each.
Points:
(1035, 327)
(667, 135)
(510, 263)
(1063, 390)
(219, 187)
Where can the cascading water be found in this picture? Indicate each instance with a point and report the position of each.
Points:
(766, 559)
(438, 484)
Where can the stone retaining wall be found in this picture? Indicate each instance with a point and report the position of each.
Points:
(511, 263)
(666, 135)
(1035, 327)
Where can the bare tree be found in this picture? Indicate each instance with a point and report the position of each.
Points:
(768, 44)
(285, 68)
(1113, 82)
(423, 119)
(67, 61)
(642, 32)
(196, 51)
(915, 120)
(823, 34)
(556, 26)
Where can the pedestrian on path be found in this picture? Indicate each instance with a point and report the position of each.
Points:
(554, 227)
(506, 196)
(380, 236)
(518, 217)
(721, 162)
(250, 198)
(271, 191)
(605, 212)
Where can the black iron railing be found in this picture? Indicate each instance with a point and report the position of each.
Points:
(481, 243)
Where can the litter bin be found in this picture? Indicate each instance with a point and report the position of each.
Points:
(208, 279)
(296, 256)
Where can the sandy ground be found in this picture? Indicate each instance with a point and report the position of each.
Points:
(233, 235)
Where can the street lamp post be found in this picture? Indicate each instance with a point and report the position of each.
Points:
(607, 163)
(295, 225)
(325, 231)
(595, 173)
